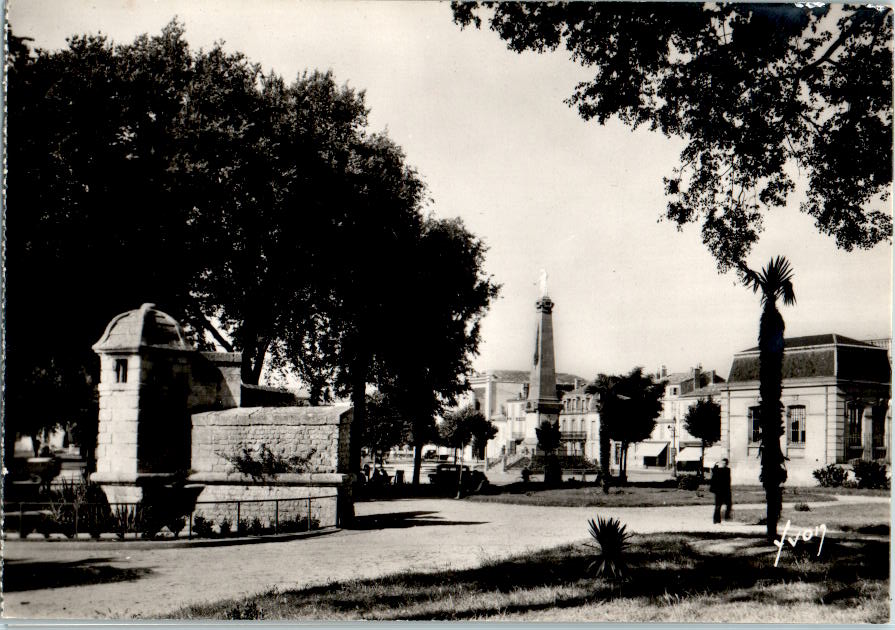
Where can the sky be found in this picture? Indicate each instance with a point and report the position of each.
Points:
(489, 132)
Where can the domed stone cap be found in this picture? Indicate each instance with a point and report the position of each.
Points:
(145, 327)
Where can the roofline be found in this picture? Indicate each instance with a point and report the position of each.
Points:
(804, 382)
(834, 344)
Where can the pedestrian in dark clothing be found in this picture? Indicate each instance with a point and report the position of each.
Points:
(720, 486)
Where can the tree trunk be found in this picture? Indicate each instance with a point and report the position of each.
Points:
(605, 449)
(773, 472)
(258, 365)
(623, 465)
(417, 462)
(460, 475)
(702, 462)
(359, 418)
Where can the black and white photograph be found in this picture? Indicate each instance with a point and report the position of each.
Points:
(447, 311)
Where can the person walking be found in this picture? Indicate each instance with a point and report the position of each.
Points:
(720, 486)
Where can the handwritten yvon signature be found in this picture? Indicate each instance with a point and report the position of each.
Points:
(806, 535)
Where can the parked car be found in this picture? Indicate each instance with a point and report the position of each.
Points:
(445, 476)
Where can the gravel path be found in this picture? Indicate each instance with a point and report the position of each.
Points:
(412, 534)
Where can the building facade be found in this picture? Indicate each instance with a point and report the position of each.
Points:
(836, 407)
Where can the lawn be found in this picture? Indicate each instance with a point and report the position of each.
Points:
(635, 495)
(714, 577)
(865, 518)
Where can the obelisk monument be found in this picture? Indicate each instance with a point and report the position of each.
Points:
(542, 403)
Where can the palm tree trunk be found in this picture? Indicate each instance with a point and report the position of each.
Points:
(773, 472)
(605, 448)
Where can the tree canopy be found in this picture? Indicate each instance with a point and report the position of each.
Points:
(549, 440)
(629, 405)
(455, 430)
(549, 436)
(703, 421)
(261, 213)
(384, 427)
(756, 91)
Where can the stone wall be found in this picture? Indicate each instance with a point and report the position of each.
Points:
(283, 498)
(285, 430)
(215, 380)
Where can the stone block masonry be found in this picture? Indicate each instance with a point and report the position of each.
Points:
(168, 413)
(321, 432)
(282, 499)
(286, 431)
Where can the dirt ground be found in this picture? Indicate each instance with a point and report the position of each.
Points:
(54, 581)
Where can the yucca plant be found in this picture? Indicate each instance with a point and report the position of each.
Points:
(612, 538)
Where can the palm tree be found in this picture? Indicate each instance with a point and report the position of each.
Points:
(775, 283)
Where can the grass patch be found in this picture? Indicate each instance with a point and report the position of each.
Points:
(672, 577)
(866, 518)
(646, 495)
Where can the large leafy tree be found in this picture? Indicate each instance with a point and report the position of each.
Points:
(703, 421)
(774, 282)
(754, 90)
(629, 406)
(482, 431)
(383, 429)
(441, 313)
(258, 212)
(602, 387)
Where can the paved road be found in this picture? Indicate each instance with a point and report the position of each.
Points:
(411, 534)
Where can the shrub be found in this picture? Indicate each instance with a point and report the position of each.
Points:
(688, 482)
(78, 506)
(176, 524)
(830, 476)
(802, 507)
(202, 527)
(125, 520)
(264, 463)
(612, 538)
(297, 525)
(224, 527)
(255, 528)
(251, 610)
(870, 474)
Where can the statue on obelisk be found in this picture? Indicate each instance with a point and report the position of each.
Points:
(543, 403)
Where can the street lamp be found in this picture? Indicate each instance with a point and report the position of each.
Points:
(673, 428)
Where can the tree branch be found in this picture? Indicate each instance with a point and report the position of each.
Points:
(843, 36)
(207, 325)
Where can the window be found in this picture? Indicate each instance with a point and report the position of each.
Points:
(795, 420)
(121, 370)
(755, 424)
(853, 412)
(618, 452)
(674, 391)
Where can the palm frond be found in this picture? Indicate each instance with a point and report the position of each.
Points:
(612, 537)
(774, 281)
